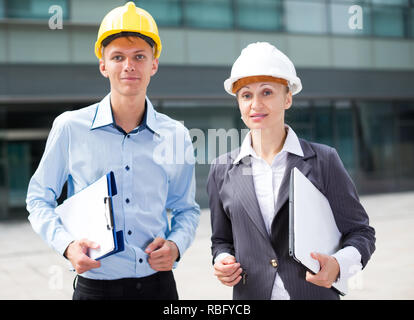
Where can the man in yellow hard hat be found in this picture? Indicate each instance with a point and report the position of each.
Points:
(121, 133)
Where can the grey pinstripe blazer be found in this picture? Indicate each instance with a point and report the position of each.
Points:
(238, 227)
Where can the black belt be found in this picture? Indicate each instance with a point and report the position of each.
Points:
(118, 284)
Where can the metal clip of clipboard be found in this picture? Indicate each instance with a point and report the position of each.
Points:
(108, 213)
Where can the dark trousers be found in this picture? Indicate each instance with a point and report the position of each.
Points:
(159, 286)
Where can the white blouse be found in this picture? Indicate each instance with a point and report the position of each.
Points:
(267, 180)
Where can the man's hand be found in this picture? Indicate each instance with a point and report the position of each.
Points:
(328, 273)
(228, 271)
(76, 253)
(162, 254)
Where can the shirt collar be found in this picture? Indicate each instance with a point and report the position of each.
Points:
(150, 118)
(291, 145)
(104, 116)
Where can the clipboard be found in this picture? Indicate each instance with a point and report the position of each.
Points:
(312, 226)
(89, 214)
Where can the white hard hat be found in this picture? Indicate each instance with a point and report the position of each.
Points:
(263, 59)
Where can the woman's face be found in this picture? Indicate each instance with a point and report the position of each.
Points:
(263, 104)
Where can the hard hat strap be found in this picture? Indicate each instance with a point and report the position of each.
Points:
(252, 79)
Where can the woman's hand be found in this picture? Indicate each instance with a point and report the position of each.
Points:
(328, 273)
(228, 271)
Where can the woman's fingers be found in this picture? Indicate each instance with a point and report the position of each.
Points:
(232, 277)
(228, 271)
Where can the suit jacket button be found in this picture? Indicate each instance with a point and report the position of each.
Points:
(274, 263)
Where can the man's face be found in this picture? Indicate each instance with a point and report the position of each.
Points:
(129, 63)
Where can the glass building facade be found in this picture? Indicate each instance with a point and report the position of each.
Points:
(31, 9)
(384, 18)
(388, 18)
(373, 132)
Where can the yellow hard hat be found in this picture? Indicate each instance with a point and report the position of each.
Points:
(128, 18)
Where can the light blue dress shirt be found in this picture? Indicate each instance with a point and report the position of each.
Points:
(84, 145)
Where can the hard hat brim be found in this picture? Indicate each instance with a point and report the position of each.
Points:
(295, 85)
(153, 36)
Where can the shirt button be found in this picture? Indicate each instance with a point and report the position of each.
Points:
(127, 200)
(128, 136)
(127, 168)
(129, 232)
(140, 260)
(274, 263)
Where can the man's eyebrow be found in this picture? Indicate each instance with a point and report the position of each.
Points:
(119, 52)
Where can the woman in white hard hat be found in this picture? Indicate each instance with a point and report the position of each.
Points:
(248, 192)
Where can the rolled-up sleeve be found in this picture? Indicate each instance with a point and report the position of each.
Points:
(46, 186)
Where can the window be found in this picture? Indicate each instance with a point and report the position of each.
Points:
(3, 164)
(388, 21)
(31, 9)
(164, 12)
(2, 11)
(3, 180)
(19, 170)
(212, 14)
(391, 2)
(309, 16)
(299, 117)
(344, 135)
(259, 15)
(405, 116)
(406, 113)
(323, 118)
(376, 137)
(411, 21)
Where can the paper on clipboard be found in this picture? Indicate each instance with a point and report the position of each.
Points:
(88, 215)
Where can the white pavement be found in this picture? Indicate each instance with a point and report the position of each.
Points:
(29, 269)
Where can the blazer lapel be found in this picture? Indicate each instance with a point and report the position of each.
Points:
(241, 179)
(292, 162)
